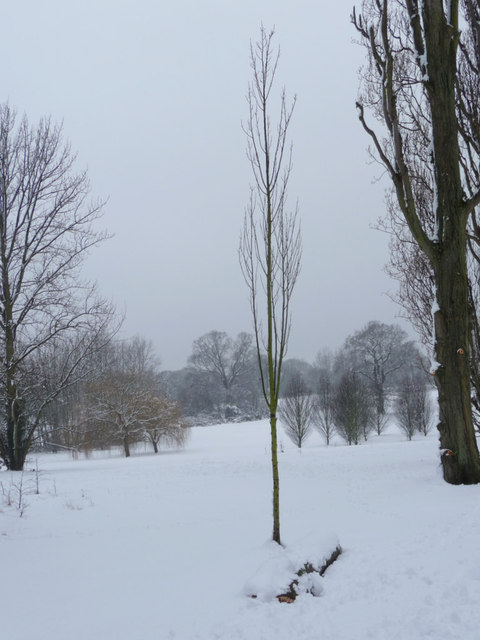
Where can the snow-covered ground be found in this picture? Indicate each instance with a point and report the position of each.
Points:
(165, 547)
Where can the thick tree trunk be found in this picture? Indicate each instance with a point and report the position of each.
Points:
(379, 386)
(17, 450)
(14, 409)
(460, 457)
(126, 446)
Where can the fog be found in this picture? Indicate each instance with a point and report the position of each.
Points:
(152, 96)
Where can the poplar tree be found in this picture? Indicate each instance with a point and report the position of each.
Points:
(270, 245)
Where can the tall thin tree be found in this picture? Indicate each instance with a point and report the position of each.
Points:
(270, 245)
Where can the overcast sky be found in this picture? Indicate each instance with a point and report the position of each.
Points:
(152, 95)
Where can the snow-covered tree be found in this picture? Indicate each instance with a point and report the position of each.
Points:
(122, 399)
(163, 423)
(46, 228)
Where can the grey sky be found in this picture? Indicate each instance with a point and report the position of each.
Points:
(152, 95)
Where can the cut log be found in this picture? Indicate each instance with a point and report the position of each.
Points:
(308, 568)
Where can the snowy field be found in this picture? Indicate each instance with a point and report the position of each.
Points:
(162, 547)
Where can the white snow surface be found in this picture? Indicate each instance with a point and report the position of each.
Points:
(169, 547)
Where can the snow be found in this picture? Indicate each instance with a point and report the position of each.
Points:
(168, 547)
(274, 576)
(434, 364)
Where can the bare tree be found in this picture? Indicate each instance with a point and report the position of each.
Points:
(412, 405)
(322, 417)
(378, 352)
(413, 84)
(405, 405)
(163, 422)
(296, 411)
(270, 246)
(416, 293)
(409, 266)
(353, 408)
(122, 400)
(118, 409)
(46, 229)
(228, 361)
(426, 415)
(64, 421)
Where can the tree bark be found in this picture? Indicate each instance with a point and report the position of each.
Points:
(460, 458)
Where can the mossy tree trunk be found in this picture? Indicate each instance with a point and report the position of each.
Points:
(460, 459)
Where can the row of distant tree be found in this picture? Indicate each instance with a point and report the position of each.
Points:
(66, 381)
(51, 320)
(121, 397)
(221, 382)
(348, 407)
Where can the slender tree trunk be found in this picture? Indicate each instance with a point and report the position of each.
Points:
(276, 481)
(273, 390)
(126, 446)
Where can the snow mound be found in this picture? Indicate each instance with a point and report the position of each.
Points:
(282, 565)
